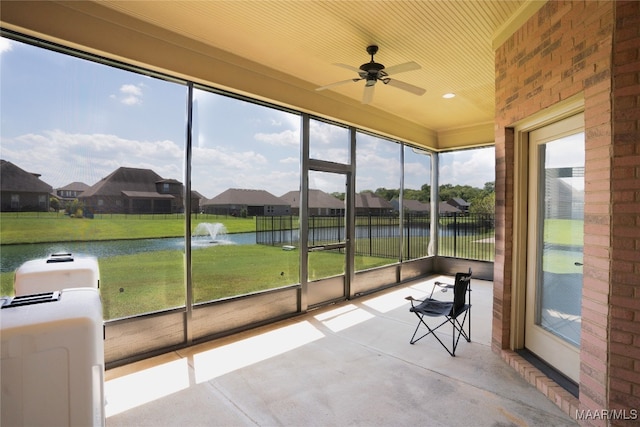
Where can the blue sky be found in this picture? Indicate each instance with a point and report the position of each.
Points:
(70, 120)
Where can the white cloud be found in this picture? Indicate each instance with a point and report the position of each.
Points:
(325, 134)
(469, 167)
(289, 120)
(329, 183)
(287, 138)
(221, 159)
(418, 169)
(290, 160)
(565, 152)
(131, 89)
(62, 158)
(372, 160)
(5, 45)
(375, 169)
(131, 94)
(131, 100)
(416, 175)
(219, 168)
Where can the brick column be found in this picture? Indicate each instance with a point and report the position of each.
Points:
(501, 327)
(624, 348)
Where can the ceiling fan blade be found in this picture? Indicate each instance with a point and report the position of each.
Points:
(329, 86)
(367, 95)
(406, 86)
(348, 67)
(401, 68)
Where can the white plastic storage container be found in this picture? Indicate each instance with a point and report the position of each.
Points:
(59, 271)
(52, 368)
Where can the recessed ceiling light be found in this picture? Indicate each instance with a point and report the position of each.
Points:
(448, 95)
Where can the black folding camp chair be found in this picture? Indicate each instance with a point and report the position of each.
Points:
(451, 310)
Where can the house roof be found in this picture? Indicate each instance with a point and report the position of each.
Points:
(371, 201)
(416, 205)
(14, 178)
(75, 186)
(247, 197)
(196, 195)
(124, 179)
(460, 202)
(146, 195)
(317, 199)
(444, 207)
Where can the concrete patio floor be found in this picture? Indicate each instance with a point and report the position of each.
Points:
(346, 364)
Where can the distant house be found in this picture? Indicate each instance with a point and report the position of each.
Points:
(71, 191)
(413, 206)
(320, 203)
(445, 209)
(196, 201)
(368, 203)
(240, 202)
(133, 190)
(21, 190)
(459, 203)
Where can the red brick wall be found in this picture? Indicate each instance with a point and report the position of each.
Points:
(564, 50)
(504, 230)
(624, 374)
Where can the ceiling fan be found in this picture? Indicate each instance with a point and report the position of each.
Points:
(372, 71)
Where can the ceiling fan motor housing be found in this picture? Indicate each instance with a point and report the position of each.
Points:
(372, 67)
(372, 71)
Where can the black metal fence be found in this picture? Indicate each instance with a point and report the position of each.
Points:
(469, 236)
(277, 230)
(461, 235)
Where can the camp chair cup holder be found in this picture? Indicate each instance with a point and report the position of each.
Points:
(456, 311)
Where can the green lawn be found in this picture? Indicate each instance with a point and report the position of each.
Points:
(52, 227)
(141, 283)
(564, 232)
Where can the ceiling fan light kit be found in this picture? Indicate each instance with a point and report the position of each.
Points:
(373, 71)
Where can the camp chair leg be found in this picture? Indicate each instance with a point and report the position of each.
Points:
(458, 331)
(468, 337)
(431, 331)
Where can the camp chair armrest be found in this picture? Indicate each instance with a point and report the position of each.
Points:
(412, 299)
(442, 285)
